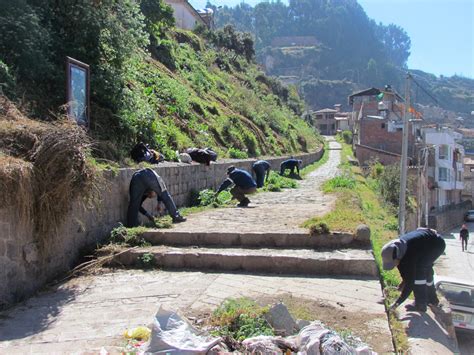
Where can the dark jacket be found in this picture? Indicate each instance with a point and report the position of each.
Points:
(464, 233)
(240, 178)
(202, 156)
(423, 247)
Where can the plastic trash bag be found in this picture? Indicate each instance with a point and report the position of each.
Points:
(172, 334)
(138, 333)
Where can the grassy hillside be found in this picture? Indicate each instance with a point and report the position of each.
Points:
(149, 80)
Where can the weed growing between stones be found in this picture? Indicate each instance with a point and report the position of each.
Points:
(147, 260)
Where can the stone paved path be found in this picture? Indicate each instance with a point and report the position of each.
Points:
(91, 312)
(273, 211)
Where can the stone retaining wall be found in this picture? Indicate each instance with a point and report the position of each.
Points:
(24, 267)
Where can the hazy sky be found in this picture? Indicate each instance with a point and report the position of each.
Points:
(441, 31)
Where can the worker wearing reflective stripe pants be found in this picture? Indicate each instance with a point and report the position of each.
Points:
(414, 254)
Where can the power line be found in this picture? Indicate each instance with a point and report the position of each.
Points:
(425, 91)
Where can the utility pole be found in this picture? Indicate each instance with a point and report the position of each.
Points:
(403, 162)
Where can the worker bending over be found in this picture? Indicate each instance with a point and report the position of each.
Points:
(261, 168)
(243, 182)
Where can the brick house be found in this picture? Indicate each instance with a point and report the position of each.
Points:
(377, 121)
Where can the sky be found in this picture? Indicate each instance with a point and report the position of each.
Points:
(441, 31)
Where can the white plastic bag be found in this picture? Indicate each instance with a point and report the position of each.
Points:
(172, 334)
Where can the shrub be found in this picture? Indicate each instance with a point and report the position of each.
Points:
(240, 319)
(347, 136)
(319, 228)
(237, 153)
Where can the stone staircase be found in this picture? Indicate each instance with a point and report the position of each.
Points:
(277, 253)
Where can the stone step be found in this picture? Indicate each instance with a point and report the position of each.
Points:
(353, 262)
(256, 240)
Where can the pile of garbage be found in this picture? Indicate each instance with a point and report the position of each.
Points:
(172, 333)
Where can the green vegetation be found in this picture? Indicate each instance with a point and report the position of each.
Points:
(240, 319)
(358, 201)
(147, 260)
(276, 182)
(128, 236)
(149, 80)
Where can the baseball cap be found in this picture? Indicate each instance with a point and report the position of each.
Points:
(389, 255)
(230, 169)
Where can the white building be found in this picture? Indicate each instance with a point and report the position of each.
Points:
(185, 15)
(446, 168)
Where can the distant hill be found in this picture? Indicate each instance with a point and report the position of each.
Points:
(347, 51)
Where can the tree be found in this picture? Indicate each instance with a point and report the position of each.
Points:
(396, 43)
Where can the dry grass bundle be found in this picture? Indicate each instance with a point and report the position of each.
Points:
(62, 174)
(16, 186)
(43, 168)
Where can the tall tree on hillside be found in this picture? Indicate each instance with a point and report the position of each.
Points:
(396, 43)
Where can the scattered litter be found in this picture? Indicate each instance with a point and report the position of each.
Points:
(172, 333)
(265, 344)
(138, 333)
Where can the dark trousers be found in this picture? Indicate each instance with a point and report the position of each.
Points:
(141, 182)
(464, 243)
(424, 288)
(259, 176)
(239, 193)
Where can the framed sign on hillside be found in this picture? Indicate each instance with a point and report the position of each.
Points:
(78, 89)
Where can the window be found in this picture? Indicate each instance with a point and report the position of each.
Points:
(443, 152)
(443, 174)
(383, 125)
(319, 117)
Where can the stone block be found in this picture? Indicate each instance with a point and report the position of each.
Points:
(363, 232)
(281, 320)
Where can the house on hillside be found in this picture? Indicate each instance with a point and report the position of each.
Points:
(377, 121)
(325, 121)
(187, 17)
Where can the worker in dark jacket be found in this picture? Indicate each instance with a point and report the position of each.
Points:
(243, 182)
(260, 168)
(414, 254)
(146, 183)
(290, 164)
(202, 156)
